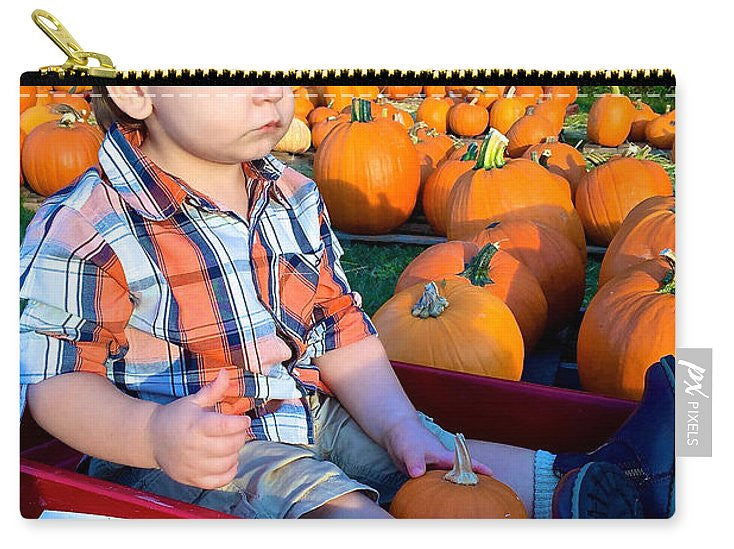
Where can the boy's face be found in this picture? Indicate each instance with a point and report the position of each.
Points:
(227, 124)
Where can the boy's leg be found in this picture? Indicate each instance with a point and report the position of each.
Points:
(349, 506)
(511, 465)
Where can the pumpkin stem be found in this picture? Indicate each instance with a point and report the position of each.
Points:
(361, 110)
(616, 90)
(551, 139)
(67, 120)
(511, 92)
(462, 472)
(530, 110)
(430, 303)
(596, 159)
(491, 155)
(474, 101)
(330, 104)
(667, 285)
(477, 272)
(414, 129)
(667, 109)
(471, 153)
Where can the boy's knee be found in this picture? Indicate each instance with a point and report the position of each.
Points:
(350, 506)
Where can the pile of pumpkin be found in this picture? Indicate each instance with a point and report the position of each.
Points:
(517, 214)
(59, 137)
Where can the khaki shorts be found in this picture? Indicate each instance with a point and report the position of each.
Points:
(277, 480)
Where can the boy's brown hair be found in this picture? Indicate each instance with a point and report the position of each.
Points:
(107, 112)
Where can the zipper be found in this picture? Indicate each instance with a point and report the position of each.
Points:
(77, 71)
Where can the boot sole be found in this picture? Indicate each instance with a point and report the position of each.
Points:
(601, 490)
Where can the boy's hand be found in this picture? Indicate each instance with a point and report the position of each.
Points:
(413, 448)
(195, 445)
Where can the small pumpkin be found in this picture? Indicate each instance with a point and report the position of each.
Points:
(531, 94)
(76, 101)
(432, 147)
(27, 97)
(434, 91)
(460, 493)
(643, 113)
(459, 91)
(368, 173)
(57, 152)
(401, 92)
(629, 325)
(610, 119)
(433, 111)
(320, 130)
(467, 119)
(647, 229)
(564, 94)
(607, 193)
(563, 160)
(302, 107)
(340, 95)
(486, 95)
(469, 329)
(506, 111)
(552, 259)
(529, 130)
(660, 132)
(38, 114)
(320, 113)
(297, 140)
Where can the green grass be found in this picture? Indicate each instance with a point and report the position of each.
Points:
(655, 96)
(374, 269)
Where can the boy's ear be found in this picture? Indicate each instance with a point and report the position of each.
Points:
(132, 100)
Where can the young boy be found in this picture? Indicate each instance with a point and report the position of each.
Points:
(190, 291)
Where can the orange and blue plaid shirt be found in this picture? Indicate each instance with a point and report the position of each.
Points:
(132, 275)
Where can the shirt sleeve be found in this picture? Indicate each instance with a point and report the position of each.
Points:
(77, 301)
(337, 313)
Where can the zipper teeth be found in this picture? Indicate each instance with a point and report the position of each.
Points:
(367, 76)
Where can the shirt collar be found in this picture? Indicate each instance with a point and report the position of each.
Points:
(156, 194)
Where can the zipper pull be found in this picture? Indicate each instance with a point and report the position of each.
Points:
(76, 57)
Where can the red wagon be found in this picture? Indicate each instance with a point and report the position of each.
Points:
(518, 413)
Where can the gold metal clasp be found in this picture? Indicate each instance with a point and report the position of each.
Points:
(77, 58)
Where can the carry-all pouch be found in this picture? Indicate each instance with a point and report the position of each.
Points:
(345, 293)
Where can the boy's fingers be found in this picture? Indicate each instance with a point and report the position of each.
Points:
(226, 445)
(481, 468)
(213, 424)
(210, 394)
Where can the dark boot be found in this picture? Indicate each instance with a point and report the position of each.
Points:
(644, 446)
(596, 490)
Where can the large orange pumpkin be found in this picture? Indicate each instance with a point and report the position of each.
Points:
(437, 188)
(610, 119)
(460, 493)
(57, 152)
(507, 110)
(607, 193)
(551, 257)
(368, 173)
(529, 130)
(642, 114)
(467, 119)
(514, 188)
(490, 268)
(564, 160)
(433, 111)
(629, 325)
(660, 132)
(451, 325)
(647, 229)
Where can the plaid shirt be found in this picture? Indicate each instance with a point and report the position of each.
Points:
(133, 275)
